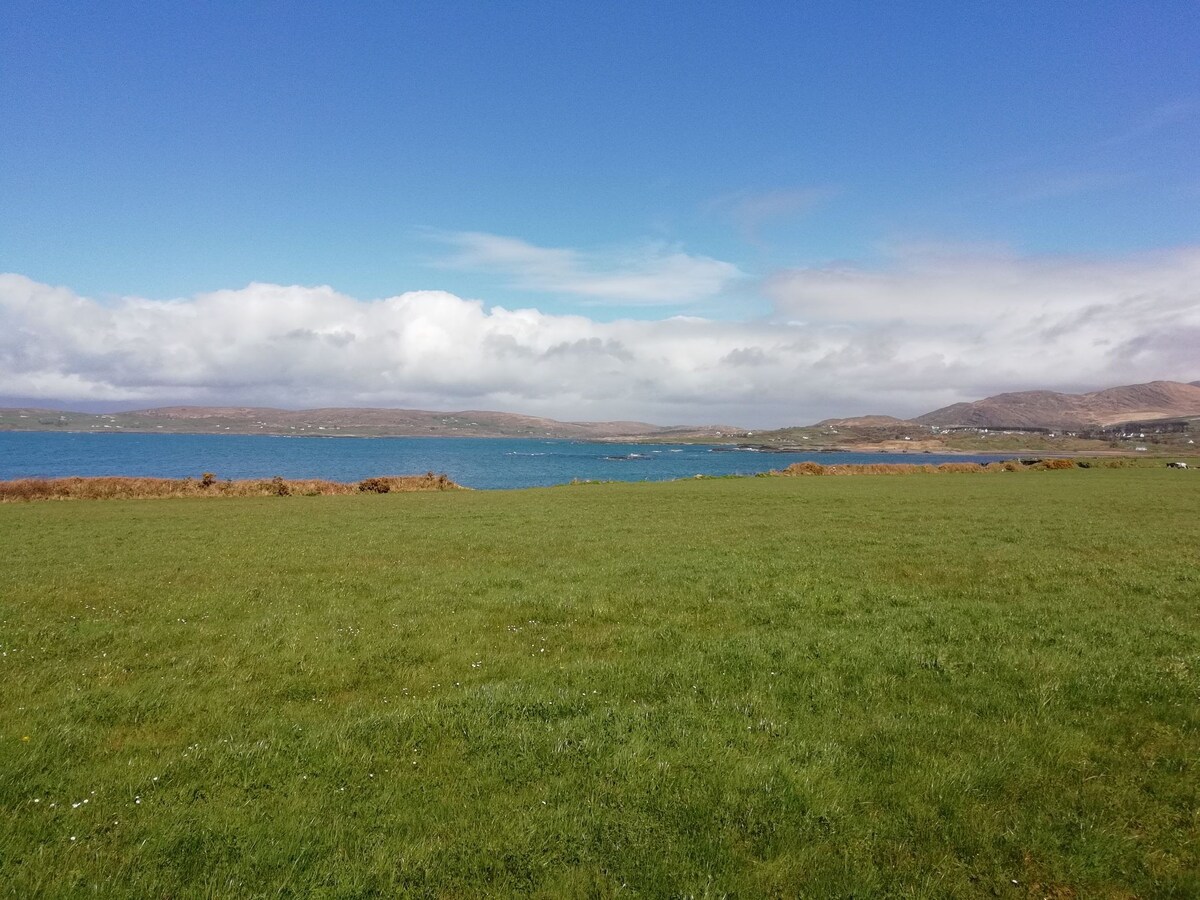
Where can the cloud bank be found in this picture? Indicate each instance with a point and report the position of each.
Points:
(931, 329)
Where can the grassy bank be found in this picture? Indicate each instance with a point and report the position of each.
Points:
(950, 686)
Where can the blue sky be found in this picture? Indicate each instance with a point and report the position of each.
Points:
(613, 161)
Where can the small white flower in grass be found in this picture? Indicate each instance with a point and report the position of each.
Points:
(73, 838)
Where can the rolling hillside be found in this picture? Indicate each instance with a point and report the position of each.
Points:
(1049, 409)
(337, 422)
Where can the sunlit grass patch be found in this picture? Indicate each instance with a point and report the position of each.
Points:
(770, 686)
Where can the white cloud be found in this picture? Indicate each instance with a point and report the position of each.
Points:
(1163, 117)
(648, 275)
(751, 211)
(1002, 322)
(1054, 185)
(931, 329)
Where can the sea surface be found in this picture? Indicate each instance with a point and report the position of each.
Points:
(482, 463)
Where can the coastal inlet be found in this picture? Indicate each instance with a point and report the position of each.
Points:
(480, 463)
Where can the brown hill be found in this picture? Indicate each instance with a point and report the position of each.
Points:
(1048, 409)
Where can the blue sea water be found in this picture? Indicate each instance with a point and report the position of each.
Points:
(483, 463)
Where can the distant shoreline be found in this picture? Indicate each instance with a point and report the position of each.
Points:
(654, 440)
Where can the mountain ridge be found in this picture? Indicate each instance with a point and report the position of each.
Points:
(1152, 401)
(1040, 409)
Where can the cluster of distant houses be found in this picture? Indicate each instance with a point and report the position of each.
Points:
(1128, 431)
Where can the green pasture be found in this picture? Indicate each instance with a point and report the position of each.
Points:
(868, 686)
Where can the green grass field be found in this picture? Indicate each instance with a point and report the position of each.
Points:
(926, 686)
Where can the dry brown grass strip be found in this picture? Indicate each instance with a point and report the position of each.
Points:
(952, 468)
(120, 488)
